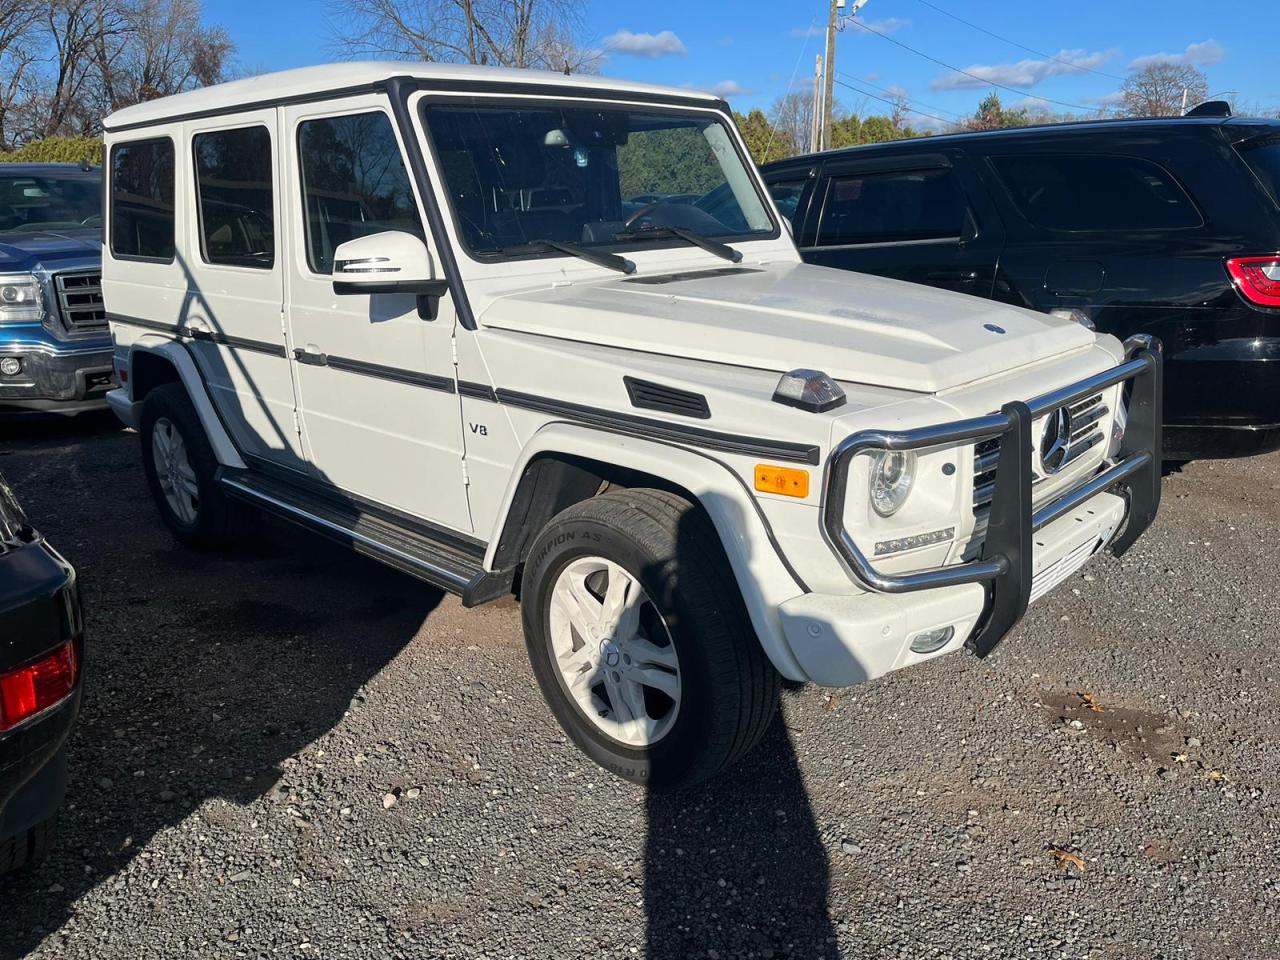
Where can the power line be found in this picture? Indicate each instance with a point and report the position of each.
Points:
(1020, 46)
(891, 102)
(892, 92)
(982, 80)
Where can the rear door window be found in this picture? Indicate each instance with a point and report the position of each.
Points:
(1263, 158)
(233, 180)
(893, 206)
(142, 213)
(1096, 193)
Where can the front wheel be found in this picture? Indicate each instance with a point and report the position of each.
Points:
(640, 641)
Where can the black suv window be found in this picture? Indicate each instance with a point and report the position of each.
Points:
(886, 207)
(786, 194)
(353, 183)
(142, 200)
(233, 180)
(1065, 192)
(1263, 157)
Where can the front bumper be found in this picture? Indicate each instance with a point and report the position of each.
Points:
(1001, 580)
(56, 376)
(39, 612)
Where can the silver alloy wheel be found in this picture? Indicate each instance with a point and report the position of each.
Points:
(174, 471)
(613, 652)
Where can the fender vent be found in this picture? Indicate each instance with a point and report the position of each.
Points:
(655, 396)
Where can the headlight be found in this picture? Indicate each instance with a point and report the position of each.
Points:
(20, 299)
(892, 474)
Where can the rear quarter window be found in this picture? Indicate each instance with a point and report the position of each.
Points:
(1263, 158)
(1096, 193)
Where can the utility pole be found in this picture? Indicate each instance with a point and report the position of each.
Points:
(830, 80)
(815, 119)
(1184, 101)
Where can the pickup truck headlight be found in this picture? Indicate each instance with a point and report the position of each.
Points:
(893, 473)
(20, 298)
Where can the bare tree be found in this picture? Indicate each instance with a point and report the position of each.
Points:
(792, 117)
(1157, 89)
(507, 33)
(18, 19)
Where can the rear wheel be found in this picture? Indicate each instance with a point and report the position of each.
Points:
(640, 641)
(182, 470)
(29, 848)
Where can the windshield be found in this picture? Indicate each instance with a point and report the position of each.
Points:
(586, 175)
(30, 203)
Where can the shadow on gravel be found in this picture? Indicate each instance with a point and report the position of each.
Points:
(205, 673)
(737, 866)
(38, 427)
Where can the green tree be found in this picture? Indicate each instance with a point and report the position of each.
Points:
(993, 115)
(57, 150)
(878, 129)
(765, 141)
(846, 131)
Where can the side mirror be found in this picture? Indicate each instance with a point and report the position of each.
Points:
(389, 262)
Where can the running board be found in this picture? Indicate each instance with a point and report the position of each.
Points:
(453, 564)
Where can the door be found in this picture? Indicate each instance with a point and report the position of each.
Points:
(376, 381)
(911, 218)
(235, 287)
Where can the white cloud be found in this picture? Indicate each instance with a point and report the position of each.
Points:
(887, 25)
(647, 46)
(1203, 54)
(725, 88)
(1106, 100)
(1024, 73)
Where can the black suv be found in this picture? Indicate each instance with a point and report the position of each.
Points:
(41, 637)
(1169, 227)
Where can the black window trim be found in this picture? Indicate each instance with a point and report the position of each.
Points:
(406, 161)
(970, 229)
(109, 200)
(195, 182)
(1016, 207)
(430, 98)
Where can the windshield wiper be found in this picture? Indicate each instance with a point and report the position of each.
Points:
(610, 260)
(697, 239)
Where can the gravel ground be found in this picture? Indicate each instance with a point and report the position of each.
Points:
(293, 752)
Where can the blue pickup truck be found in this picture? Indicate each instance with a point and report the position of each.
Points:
(55, 348)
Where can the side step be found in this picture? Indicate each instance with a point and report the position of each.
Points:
(450, 562)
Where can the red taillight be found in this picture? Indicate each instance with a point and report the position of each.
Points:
(1258, 278)
(38, 686)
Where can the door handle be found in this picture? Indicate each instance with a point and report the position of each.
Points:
(310, 358)
(954, 276)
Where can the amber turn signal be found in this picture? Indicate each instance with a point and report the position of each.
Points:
(784, 481)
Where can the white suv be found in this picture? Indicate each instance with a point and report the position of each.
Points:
(514, 331)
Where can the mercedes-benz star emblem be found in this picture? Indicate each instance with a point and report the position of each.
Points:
(1055, 439)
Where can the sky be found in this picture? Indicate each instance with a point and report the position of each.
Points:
(753, 51)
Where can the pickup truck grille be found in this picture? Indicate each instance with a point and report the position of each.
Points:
(80, 300)
(1087, 419)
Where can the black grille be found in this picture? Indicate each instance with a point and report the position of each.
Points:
(80, 299)
(655, 396)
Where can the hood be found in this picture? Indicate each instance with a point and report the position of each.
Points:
(855, 327)
(25, 249)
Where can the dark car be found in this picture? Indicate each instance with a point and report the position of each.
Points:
(55, 348)
(1167, 226)
(41, 651)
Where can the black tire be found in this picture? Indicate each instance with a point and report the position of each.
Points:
(215, 518)
(729, 689)
(30, 848)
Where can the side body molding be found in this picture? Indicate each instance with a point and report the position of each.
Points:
(177, 355)
(762, 576)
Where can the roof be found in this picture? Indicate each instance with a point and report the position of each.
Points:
(314, 81)
(1117, 127)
